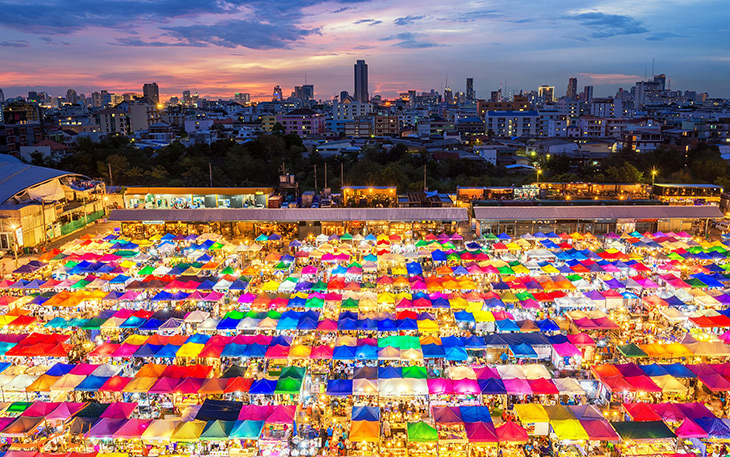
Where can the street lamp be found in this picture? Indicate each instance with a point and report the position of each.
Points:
(15, 244)
(653, 175)
(539, 172)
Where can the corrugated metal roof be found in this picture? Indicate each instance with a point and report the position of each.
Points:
(291, 215)
(16, 176)
(550, 213)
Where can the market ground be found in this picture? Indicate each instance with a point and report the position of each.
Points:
(7, 263)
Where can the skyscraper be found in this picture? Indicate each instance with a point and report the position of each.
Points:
(545, 93)
(470, 95)
(572, 89)
(2, 96)
(71, 96)
(448, 96)
(361, 82)
(587, 93)
(278, 94)
(151, 91)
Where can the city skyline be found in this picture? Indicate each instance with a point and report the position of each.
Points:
(218, 49)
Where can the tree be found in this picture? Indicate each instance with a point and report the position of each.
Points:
(625, 173)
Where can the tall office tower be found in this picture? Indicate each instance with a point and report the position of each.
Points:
(187, 99)
(343, 95)
(448, 96)
(545, 93)
(72, 97)
(662, 80)
(151, 91)
(304, 93)
(242, 97)
(2, 96)
(278, 95)
(587, 93)
(470, 95)
(361, 82)
(572, 89)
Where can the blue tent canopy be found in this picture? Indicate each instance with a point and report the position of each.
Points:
(60, 369)
(433, 351)
(366, 413)
(255, 351)
(344, 353)
(168, 351)
(507, 325)
(234, 350)
(91, 383)
(547, 325)
(523, 351)
(263, 387)
(475, 414)
(390, 372)
(456, 354)
(678, 370)
(366, 353)
(492, 386)
(147, 350)
(339, 387)
(151, 324)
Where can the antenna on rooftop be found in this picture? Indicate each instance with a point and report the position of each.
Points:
(652, 67)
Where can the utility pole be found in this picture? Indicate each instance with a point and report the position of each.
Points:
(111, 179)
(325, 175)
(342, 174)
(315, 178)
(425, 188)
(210, 173)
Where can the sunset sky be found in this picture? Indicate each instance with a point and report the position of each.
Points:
(222, 47)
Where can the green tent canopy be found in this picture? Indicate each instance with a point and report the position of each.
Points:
(631, 350)
(421, 432)
(650, 430)
(288, 386)
(293, 372)
(217, 430)
(93, 324)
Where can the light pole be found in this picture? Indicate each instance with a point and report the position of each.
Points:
(653, 175)
(15, 244)
(539, 172)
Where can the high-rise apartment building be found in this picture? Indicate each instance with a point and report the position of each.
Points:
(572, 92)
(470, 94)
(72, 96)
(152, 92)
(278, 94)
(587, 93)
(361, 82)
(545, 94)
(242, 97)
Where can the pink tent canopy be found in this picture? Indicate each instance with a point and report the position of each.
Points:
(254, 412)
(581, 339)
(510, 432)
(65, 410)
(690, 429)
(282, 414)
(119, 410)
(517, 386)
(599, 430)
(481, 432)
(321, 352)
(566, 350)
(133, 428)
(440, 386)
(466, 387)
